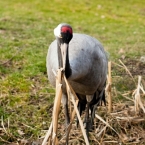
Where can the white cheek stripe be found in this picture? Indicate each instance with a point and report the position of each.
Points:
(57, 31)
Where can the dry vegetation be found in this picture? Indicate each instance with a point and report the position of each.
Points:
(125, 124)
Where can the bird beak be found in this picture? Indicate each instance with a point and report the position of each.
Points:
(64, 47)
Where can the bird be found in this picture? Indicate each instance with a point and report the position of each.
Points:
(83, 61)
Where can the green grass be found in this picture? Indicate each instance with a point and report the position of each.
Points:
(26, 30)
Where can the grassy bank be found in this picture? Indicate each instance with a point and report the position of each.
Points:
(26, 30)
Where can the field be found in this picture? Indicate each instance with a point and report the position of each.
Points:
(26, 97)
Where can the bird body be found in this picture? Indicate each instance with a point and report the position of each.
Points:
(88, 62)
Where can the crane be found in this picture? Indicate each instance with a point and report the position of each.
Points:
(83, 61)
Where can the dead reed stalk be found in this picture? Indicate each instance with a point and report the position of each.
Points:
(108, 88)
(52, 132)
(137, 97)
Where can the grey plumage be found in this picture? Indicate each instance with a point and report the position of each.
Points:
(88, 62)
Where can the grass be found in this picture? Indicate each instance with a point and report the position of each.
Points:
(26, 30)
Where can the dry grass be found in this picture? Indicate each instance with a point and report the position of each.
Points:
(129, 127)
(124, 125)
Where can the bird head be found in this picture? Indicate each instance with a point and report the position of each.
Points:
(63, 33)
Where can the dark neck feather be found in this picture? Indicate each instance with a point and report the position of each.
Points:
(68, 70)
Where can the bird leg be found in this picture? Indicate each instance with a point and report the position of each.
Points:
(93, 109)
(94, 104)
(87, 122)
(99, 97)
(79, 109)
(67, 117)
(81, 106)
